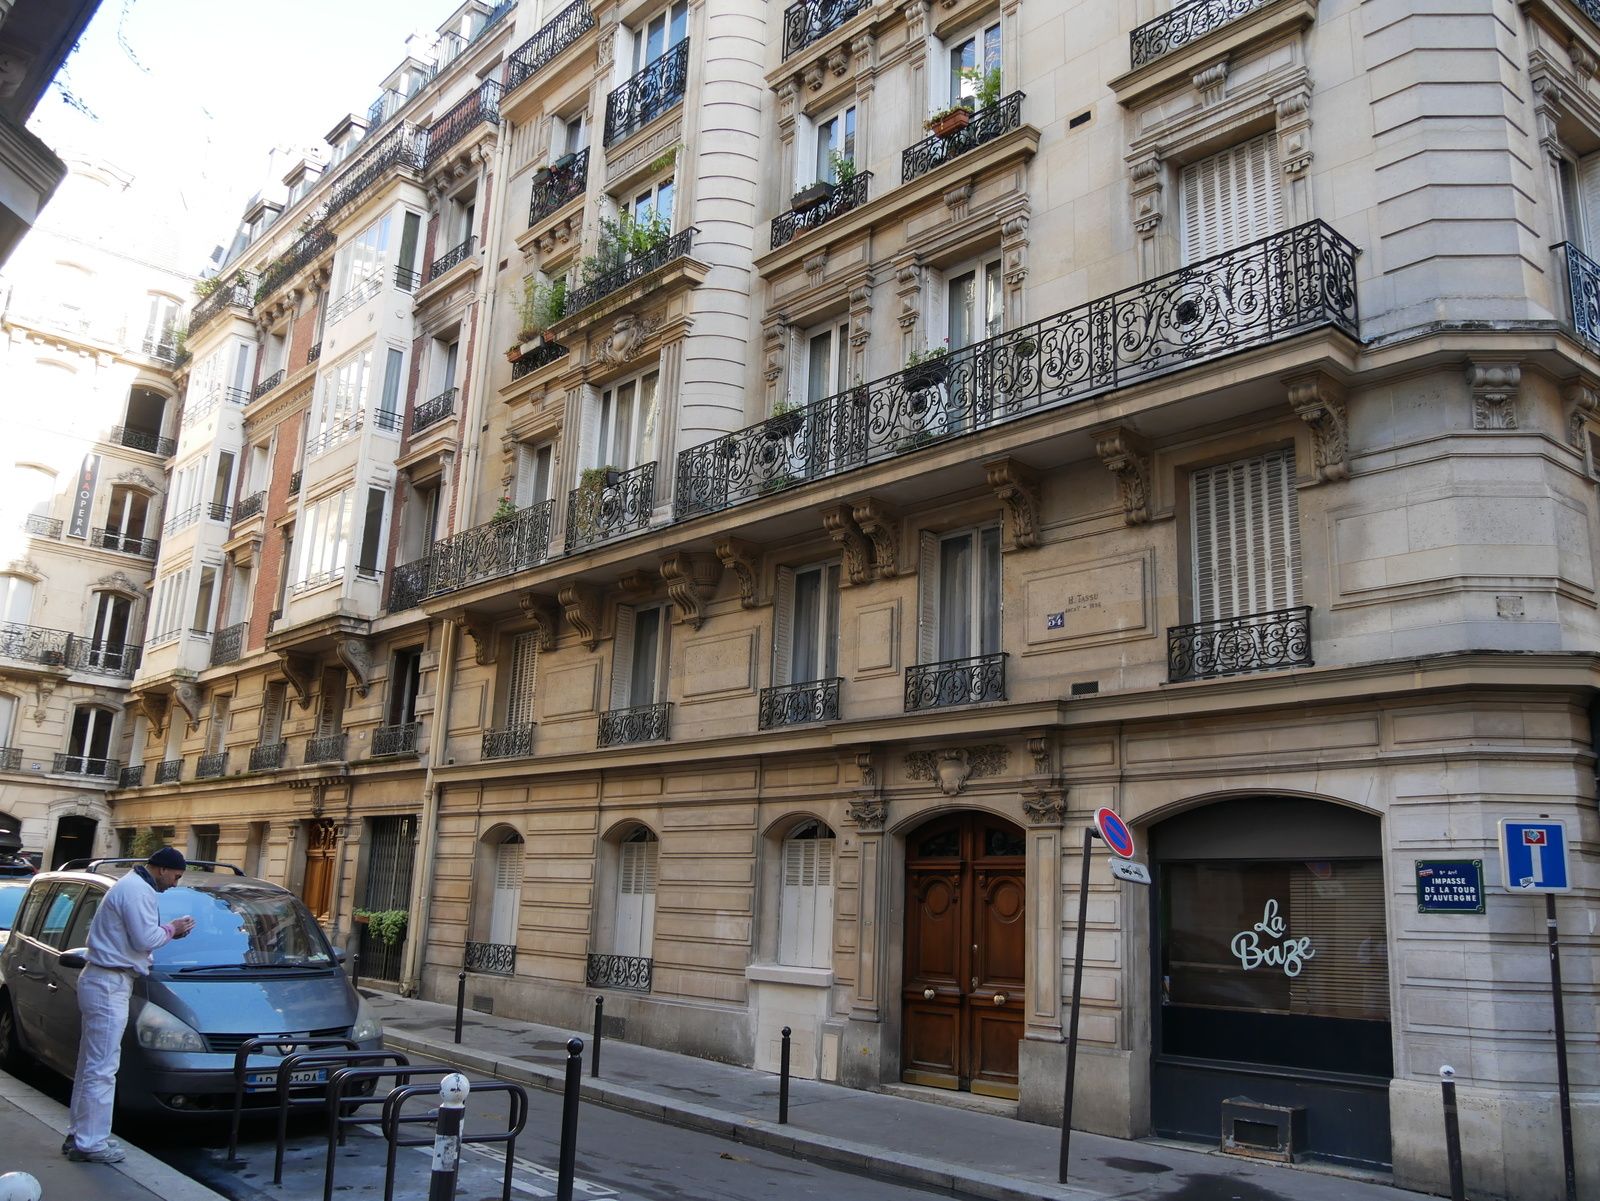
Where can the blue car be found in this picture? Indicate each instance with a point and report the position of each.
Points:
(256, 965)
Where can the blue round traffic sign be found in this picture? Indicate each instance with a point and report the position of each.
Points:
(1115, 832)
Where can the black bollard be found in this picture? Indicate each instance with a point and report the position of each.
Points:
(594, 1051)
(453, 1092)
(1452, 1133)
(461, 999)
(783, 1080)
(569, 1120)
(355, 971)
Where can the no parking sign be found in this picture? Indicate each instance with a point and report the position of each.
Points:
(1114, 831)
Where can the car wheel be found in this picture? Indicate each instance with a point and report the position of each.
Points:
(12, 1056)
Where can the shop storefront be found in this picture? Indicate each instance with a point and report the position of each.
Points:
(1271, 1013)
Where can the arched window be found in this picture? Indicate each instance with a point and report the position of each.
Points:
(805, 905)
(506, 905)
(634, 929)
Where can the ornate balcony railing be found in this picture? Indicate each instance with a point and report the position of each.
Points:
(124, 435)
(453, 257)
(622, 504)
(294, 483)
(127, 544)
(986, 125)
(35, 644)
(635, 268)
(843, 198)
(327, 749)
(408, 584)
(513, 742)
(41, 526)
(268, 756)
(639, 723)
(473, 110)
(630, 972)
(228, 645)
(169, 771)
(10, 758)
(106, 658)
(87, 765)
(130, 777)
(400, 147)
(558, 187)
(315, 353)
(268, 384)
(1185, 24)
(808, 20)
(1283, 285)
(491, 958)
(395, 740)
(1232, 646)
(559, 32)
(249, 506)
(956, 682)
(542, 356)
(211, 767)
(799, 704)
(357, 295)
(1583, 288)
(431, 412)
(648, 94)
(311, 245)
(234, 293)
(491, 550)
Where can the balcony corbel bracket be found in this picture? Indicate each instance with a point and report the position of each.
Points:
(1494, 386)
(580, 604)
(188, 697)
(542, 614)
(740, 558)
(1017, 487)
(1583, 406)
(155, 706)
(857, 551)
(1124, 454)
(636, 585)
(298, 670)
(477, 627)
(691, 578)
(882, 525)
(356, 656)
(1318, 400)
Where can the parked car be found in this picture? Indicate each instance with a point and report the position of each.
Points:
(16, 865)
(256, 964)
(11, 893)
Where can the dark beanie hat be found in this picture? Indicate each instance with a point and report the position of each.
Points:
(168, 857)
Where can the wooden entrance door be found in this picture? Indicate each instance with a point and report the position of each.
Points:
(322, 845)
(965, 957)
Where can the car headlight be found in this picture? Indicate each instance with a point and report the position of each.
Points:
(367, 1028)
(158, 1030)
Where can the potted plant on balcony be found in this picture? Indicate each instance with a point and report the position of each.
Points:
(593, 480)
(785, 420)
(844, 168)
(565, 161)
(947, 122)
(926, 369)
(542, 305)
(541, 175)
(205, 287)
(505, 511)
(810, 196)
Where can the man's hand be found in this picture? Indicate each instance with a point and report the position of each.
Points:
(181, 926)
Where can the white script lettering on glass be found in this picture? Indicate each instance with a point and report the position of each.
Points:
(1289, 953)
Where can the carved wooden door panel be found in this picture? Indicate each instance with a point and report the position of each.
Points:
(999, 966)
(322, 847)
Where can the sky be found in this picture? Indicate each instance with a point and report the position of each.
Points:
(188, 97)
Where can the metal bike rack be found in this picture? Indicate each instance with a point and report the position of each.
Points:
(393, 1118)
(241, 1069)
(339, 1082)
(286, 1071)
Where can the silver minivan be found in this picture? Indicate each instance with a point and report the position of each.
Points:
(256, 964)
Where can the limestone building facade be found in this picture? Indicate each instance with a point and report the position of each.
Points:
(927, 423)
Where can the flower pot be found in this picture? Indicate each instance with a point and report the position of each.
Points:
(565, 161)
(784, 425)
(951, 122)
(930, 373)
(807, 198)
(513, 354)
(361, 919)
(541, 177)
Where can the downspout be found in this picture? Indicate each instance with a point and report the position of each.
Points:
(428, 824)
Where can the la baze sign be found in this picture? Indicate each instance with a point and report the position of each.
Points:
(1290, 954)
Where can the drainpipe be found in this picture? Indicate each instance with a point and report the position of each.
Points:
(428, 824)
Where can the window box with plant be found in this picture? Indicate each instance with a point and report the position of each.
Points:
(926, 369)
(593, 480)
(813, 194)
(785, 420)
(388, 926)
(541, 306)
(946, 122)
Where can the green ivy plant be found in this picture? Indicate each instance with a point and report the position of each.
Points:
(541, 307)
(388, 926)
(844, 167)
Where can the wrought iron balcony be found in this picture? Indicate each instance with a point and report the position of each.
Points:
(164, 349)
(388, 103)
(235, 293)
(408, 584)
(268, 384)
(106, 658)
(41, 526)
(10, 758)
(294, 483)
(491, 958)
(478, 107)
(799, 704)
(127, 544)
(985, 125)
(182, 519)
(1583, 289)
(559, 32)
(357, 295)
(268, 756)
(401, 147)
(35, 644)
(129, 777)
(842, 199)
(169, 771)
(513, 742)
(453, 257)
(395, 740)
(217, 396)
(249, 506)
(619, 504)
(211, 767)
(218, 511)
(327, 749)
(491, 550)
(1233, 646)
(431, 412)
(311, 245)
(630, 972)
(1283, 285)
(639, 723)
(558, 187)
(145, 440)
(1184, 24)
(808, 20)
(228, 645)
(648, 94)
(541, 356)
(635, 268)
(956, 682)
(384, 419)
(314, 353)
(87, 765)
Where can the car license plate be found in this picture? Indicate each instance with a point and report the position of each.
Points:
(265, 1080)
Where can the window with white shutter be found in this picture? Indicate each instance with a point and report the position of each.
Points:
(636, 895)
(805, 910)
(958, 595)
(507, 891)
(1245, 522)
(1231, 198)
(524, 674)
(639, 648)
(805, 637)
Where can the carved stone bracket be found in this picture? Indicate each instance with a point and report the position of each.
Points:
(356, 655)
(691, 578)
(882, 525)
(1043, 756)
(1146, 194)
(298, 670)
(480, 629)
(1123, 453)
(954, 766)
(580, 605)
(155, 707)
(868, 773)
(740, 558)
(1318, 400)
(868, 813)
(188, 697)
(636, 585)
(1017, 486)
(857, 551)
(1045, 806)
(1583, 406)
(542, 614)
(1494, 388)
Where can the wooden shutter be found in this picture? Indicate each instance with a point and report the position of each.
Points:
(1245, 537)
(622, 658)
(522, 487)
(783, 627)
(1231, 198)
(927, 597)
(507, 892)
(636, 898)
(805, 919)
(524, 676)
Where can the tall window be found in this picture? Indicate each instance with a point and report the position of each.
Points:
(827, 359)
(33, 487)
(16, 599)
(410, 235)
(653, 203)
(8, 718)
(1231, 198)
(1245, 544)
(389, 402)
(222, 486)
(639, 656)
(446, 358)
(524, 678)
(534, 464)
(330, 715)
(627, 422)
(205, 600)
(363, 258)
(166, 606)
(970, 59)
(506, 905)
(323, 542)
(634, 928)
(836, 135)
(372, 530)
(805, 639)
(974, 307)
(572, 134)
(958, 595)
(659, 34)
(805, 905)
(108, 646)
(405, 680)
(89, 743)
(126, 517)
(160, 316)
(344, 397)
(273, 703)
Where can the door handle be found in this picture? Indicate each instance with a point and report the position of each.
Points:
(52, 986)
(999, 998)
(22, 970)
(928, 994)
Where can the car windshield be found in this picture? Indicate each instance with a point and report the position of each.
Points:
(10, 898)
(240, 926)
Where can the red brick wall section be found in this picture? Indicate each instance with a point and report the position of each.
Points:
(270, 561)
(428, 245)
(302, 333)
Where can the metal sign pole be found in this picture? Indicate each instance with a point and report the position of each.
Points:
(1077, 1003)
(1563, 1085)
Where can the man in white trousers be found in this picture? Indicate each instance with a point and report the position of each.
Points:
(126, 929)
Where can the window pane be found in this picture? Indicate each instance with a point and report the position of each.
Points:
(963, 290)
(645, 437)
(955, 598)
(807, 616)
(818, 374)
(989, 587)
(830, 628)
(646, 640)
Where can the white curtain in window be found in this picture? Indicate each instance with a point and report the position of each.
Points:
(1246, 537)
(1231, 198)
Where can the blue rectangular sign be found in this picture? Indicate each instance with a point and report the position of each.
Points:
(1533, 856)
(1450, 886)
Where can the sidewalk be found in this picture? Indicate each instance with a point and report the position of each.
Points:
(31, 1129)
(936, 1146)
